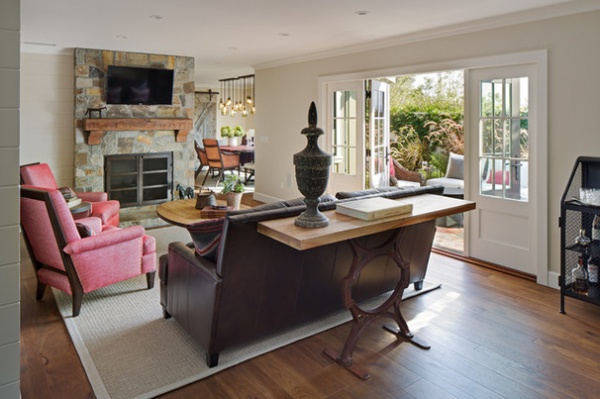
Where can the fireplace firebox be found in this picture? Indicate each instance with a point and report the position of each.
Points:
(139, 179)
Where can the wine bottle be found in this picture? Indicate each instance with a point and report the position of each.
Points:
(579, 278)
(593, 269)
(582, 239)
(596, 228)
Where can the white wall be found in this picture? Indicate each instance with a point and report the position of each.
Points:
(47, 133)
(9, 198)
(285, 93)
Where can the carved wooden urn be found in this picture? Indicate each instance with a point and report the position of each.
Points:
(312, 174)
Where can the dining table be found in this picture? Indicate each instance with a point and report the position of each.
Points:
(245, 152)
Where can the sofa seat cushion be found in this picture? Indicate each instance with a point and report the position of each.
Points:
(206, 236)
(447, 182)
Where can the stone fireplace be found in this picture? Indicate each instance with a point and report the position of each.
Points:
(90, 92)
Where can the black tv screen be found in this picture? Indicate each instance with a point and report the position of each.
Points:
(140, 86)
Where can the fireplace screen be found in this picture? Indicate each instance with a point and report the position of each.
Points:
(139, 179)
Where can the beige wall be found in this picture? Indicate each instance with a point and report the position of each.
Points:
(47, 84)
(285, 93)
(9, 198)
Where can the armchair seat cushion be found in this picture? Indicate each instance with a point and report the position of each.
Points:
(106, 211)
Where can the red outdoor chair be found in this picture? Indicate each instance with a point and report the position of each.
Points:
(79, 258)
(40, 175)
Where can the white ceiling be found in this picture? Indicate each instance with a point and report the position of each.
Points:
(229, 38)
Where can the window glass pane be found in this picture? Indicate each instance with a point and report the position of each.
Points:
(487, 136)
(486, 99)
(498, 137)
(524, 139)
(344, 132)
(504, 139)
(507, 137)
(498, 98)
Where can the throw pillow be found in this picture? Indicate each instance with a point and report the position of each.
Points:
(84, 230)
(456, 166)
(206, 236)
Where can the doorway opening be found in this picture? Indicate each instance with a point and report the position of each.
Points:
(426, 119)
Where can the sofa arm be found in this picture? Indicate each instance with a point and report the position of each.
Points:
(190, 291)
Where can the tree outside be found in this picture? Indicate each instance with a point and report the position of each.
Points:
(426, 119)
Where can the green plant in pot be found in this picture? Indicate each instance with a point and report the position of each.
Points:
(233, 189)
(226, 131)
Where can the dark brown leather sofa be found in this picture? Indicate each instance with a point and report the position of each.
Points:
(258, 286)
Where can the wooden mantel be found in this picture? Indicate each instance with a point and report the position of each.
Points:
(97, 127)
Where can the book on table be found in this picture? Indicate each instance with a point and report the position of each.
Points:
(374, 208)
(73, 202)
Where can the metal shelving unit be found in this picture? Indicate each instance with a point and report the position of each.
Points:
(576, 214)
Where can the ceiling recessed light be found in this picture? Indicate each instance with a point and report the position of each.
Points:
(156, 17)
(284, 34)
(121, 37)
(362, 12)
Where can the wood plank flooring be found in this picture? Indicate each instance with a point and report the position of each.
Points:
(493, 335)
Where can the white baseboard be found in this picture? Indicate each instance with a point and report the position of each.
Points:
(553, 280)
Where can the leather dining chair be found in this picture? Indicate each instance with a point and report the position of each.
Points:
(39, 175)
(81, 257)
(219, 160)
(201, 152)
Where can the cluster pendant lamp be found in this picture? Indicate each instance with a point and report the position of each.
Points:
(237, 96)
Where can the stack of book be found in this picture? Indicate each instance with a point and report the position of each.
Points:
(215, 212)
(70, 197)
(374, 208)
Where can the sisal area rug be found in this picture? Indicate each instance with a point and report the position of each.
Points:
(129, 350)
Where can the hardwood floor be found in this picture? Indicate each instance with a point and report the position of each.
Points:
(493, 335)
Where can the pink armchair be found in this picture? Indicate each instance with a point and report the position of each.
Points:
(79, 258)
(40, 175)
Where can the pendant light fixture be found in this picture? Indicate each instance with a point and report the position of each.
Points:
(239, 95)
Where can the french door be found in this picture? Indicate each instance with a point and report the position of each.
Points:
(357, 131)
(378, 133)
(345, 135)
(502, 132)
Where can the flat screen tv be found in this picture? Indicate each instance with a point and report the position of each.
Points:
(139, 86)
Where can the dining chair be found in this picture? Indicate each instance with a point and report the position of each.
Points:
(219, 160)
(201, 152)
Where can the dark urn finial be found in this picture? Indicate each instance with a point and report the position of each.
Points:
(312, 115)
(312, 174)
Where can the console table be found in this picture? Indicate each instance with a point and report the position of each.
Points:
(426, 207)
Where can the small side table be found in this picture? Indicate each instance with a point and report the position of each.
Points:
(83, 210)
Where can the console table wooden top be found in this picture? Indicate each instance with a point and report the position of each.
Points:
(341, 227)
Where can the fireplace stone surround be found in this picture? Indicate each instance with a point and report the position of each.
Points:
(90, 87)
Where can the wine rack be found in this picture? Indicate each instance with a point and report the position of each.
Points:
(577, 214)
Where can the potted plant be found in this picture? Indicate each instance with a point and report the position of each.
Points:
(233, 189)
(227, 132)
(238, 131)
